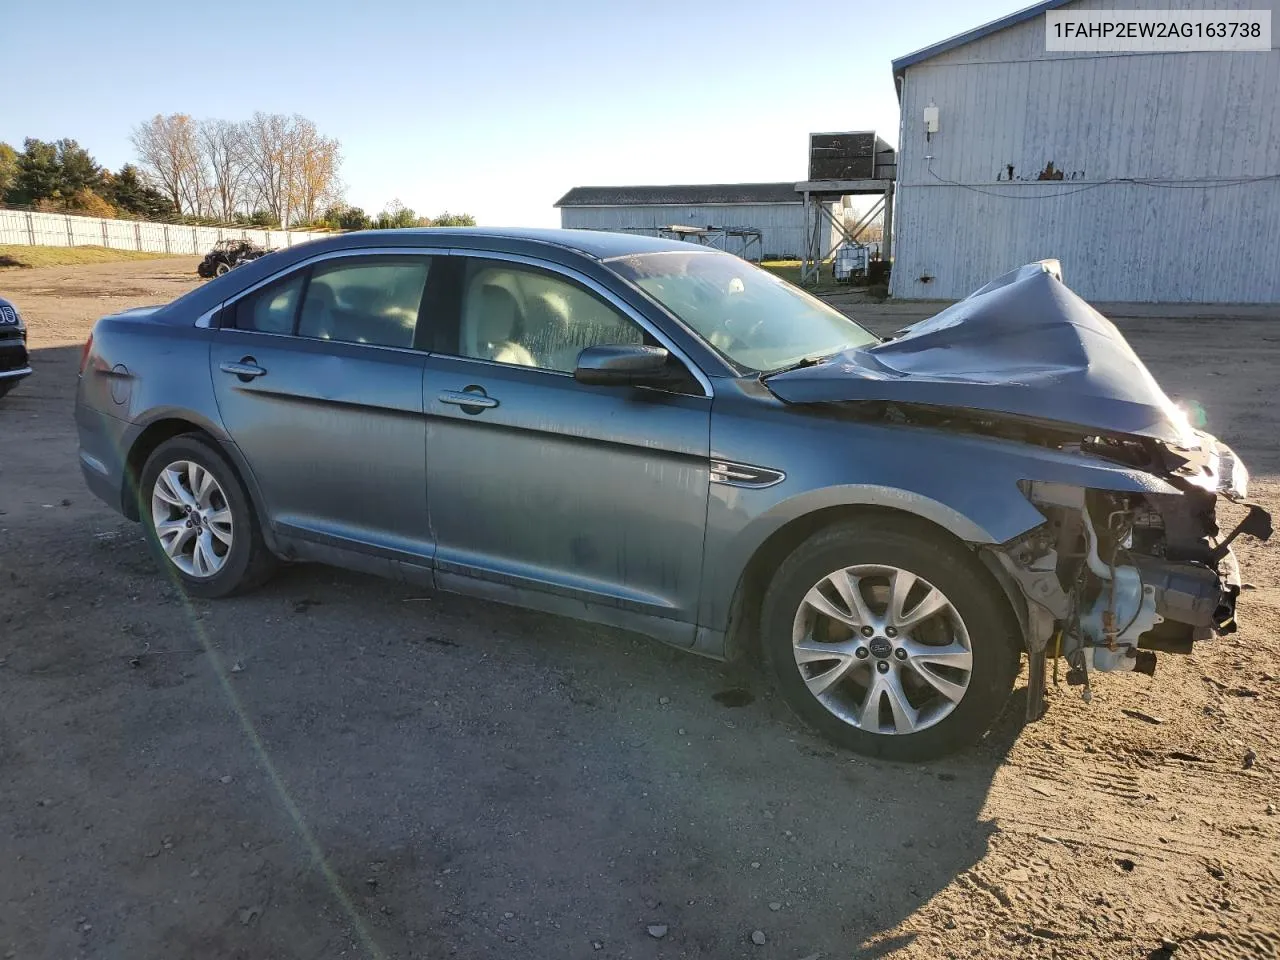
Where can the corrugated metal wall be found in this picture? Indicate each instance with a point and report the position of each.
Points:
(1175, 117)
(26, 228)
(781, 224)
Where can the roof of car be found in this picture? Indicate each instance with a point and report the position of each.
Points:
(556, 245)
(594, 243)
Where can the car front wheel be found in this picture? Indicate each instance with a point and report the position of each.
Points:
(890, 640)
(199, 520)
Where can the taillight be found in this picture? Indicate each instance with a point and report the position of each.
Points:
(84, 354)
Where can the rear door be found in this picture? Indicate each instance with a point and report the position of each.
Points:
(320, 385)
(542, 484)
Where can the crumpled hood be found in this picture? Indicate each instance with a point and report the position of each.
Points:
(1024, 344)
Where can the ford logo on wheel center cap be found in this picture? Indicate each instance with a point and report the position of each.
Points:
(880, 647)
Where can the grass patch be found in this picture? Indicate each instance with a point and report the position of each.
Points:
(12, 255)
(789, 270)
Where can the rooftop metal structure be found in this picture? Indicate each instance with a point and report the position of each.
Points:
(719, 237)
(750, 244)
(817, 196)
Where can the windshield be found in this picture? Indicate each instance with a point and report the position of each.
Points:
(747, 314)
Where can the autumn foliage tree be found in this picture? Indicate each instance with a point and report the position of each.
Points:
(8, 168)
(291, 167)
(448, 219)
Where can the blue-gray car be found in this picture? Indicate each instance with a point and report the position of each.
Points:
(667, 439)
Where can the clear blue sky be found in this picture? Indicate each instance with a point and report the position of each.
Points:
(493, 108)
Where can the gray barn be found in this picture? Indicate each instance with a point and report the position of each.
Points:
(775, 209)
(1170, 164)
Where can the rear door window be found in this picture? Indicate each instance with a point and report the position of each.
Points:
(374, 300)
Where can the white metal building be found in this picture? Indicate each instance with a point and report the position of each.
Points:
(1170, 165)
(775, 209)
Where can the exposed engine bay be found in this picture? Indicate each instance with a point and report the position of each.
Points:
(1112, 578)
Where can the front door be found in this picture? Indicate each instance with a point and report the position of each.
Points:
(320, 386)
(537, 483)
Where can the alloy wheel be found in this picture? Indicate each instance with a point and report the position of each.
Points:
(882, 649)
(192, 518)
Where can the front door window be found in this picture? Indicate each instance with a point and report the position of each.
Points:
(532, 318)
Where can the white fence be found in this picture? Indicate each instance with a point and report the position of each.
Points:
(27, 228)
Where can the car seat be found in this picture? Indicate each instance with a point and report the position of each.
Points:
(494, 318)
(550, 331)
(319, 313)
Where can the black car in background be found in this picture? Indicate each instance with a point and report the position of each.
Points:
(14, 365)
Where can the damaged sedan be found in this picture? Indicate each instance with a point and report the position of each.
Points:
(672, 441)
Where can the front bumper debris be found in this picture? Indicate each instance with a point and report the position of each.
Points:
(1113, 578)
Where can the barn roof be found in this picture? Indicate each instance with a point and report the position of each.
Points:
(681, 194)
(977, 33)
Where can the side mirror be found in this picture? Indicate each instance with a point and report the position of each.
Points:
(623, 365)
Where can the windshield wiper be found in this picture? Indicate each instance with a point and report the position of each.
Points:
(799, 365)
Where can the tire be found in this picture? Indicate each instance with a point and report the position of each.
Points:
(221, 268)
(198, 556)
(927, 660)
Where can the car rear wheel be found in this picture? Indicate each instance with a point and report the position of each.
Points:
(221, 268)
(199, 520)
(890, 641)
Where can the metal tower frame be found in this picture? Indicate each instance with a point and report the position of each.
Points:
(818, 195)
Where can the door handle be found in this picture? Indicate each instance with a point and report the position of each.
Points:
(476, 399)
(246, 369)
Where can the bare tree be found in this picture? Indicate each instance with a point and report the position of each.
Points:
(221, 145)
(315, 184)
(270, 162)
(872, 232)
(265, 142)
(170, 158)
(292, 168)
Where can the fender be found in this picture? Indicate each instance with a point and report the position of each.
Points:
(962, 483)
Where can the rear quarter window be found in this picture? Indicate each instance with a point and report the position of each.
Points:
(272, 308)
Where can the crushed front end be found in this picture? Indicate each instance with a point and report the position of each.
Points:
(1112, 578)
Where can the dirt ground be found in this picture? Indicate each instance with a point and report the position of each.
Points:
(338, 766)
